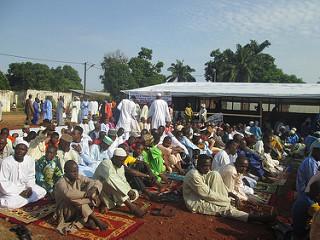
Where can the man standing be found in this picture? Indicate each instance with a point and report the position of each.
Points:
(29, 109)
(47, 109)
(158, 113)
(59, 111)
(84, 108)
(36, 113)
(127, 110)
(17, 179)
(75, 108)
(74, 194)
(116, 190)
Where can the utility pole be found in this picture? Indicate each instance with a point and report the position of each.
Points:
(215, 75)
(85, 79)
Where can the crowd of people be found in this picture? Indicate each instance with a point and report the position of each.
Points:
(107, 156)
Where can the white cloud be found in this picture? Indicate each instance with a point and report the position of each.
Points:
(268, 17)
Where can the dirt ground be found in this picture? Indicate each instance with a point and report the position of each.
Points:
(184, 225)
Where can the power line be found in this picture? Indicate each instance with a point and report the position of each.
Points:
(40, 59)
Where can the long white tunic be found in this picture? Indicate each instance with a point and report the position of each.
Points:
(159, 112)
(144, 112)
(127, 110)
(75, 108)
(16, 177)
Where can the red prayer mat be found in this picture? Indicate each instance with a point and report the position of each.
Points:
(119, 226)
(30, 213)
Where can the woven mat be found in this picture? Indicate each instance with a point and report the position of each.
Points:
(30, 213)
(119, 226)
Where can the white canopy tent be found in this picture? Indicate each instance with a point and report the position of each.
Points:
(230, 89)
(269, 93)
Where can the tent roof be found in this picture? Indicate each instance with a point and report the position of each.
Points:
(230, 89)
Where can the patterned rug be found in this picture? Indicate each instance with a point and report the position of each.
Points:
(119, 226)
(29, 213)
(265, 187)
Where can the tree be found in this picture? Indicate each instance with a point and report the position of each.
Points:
(117, 75)
(180, 72)
(246, 64)
(4, 83)
(29, 75)
(121, 73)
(66, 77)
(143, 71)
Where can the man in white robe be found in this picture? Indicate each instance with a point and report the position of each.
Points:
(75, 108)
(159, 113)
(127, 110)
(17, 179)
(226, 156)
(100, 152)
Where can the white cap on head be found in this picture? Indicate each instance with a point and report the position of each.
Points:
(21, 141)
(120, 152)
(159, 95)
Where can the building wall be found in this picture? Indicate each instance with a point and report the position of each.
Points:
(5, 98)
(19, 97)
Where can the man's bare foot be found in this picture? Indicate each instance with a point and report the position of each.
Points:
(101, 225)
(97, 222)
(138, 212)
(90, 224)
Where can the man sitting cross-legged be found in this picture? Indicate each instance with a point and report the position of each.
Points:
(116, 190)
(17, 179)
(75, 195)
(204, 192)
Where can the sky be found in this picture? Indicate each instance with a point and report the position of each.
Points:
(188, 30)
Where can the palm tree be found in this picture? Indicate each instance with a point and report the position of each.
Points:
(180, 72)
(236, 66)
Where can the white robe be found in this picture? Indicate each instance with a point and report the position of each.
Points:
(159, 112)
(97, 155)
(75, 108)
(127, 110)
(15, 177)
(221, 159)
(144, 112)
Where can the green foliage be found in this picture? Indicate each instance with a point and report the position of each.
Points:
(117, 74)
(38, 76)
(121, 73)
(4, 83)
(246, 64)
(180, 72)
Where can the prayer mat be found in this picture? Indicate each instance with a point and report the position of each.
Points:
(257, 209)
(264, 196)
(30, 213)
(266, 187)
(119, 226)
